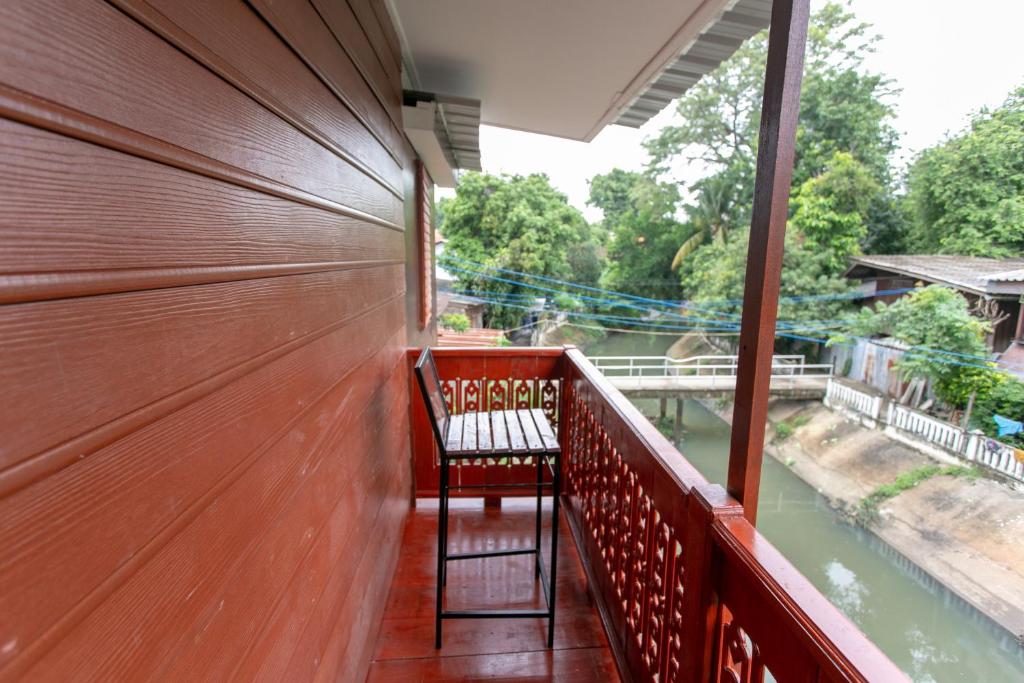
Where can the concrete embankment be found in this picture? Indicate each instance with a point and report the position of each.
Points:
(964, 532)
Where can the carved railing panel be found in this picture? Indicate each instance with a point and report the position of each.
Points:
(631, 523)
(685, 585)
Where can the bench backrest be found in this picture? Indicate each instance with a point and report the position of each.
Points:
(430, 387)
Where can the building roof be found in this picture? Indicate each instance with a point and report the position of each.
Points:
(473, 337)
(696, 58)
(568, 67)
(1003, 278)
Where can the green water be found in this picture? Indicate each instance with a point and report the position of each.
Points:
(926, 630)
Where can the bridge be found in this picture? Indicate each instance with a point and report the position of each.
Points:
(707, 376)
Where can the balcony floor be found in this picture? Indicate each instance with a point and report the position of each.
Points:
(492, 649)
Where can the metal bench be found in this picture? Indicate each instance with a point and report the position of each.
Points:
(495, 434)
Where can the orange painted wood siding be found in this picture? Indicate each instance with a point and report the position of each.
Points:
(204, 448)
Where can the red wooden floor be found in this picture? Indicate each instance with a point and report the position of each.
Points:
(491, 649)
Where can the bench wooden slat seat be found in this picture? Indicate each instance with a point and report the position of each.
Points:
(524, 432)
(485, 435)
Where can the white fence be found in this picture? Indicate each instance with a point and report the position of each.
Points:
(937, 437)
(844, 397)
(927, 428)
(993, 454)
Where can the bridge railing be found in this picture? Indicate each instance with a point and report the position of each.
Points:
(709, 366)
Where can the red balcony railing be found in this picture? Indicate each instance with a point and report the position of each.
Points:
(687, 589)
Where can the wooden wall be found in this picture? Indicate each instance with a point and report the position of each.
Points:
(204, 450)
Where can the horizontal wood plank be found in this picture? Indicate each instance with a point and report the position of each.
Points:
(394, 43)
(57, 356)
(375, 36)
(469, 434)
(483, 432)
(499, 430)
(73, 205)
(345, 654)
(234, 576)
(237, 44)
(330, 512)
(120, 72)
(547, 434)
(516, 438)
(316, 597)
(455, 431)
(301, 26)
(163, 473)
(533, 442)
(383, 78)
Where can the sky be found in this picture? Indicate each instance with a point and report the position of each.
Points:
(948, 57)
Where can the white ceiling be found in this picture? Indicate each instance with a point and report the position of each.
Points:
(559, 67)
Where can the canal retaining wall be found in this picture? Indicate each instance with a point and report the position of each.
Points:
(964, 534)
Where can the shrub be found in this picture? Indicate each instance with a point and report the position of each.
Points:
(1006, 398)
(456, 322)
(867, 510)
(785, 429)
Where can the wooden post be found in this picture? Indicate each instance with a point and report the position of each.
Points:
(662, 407)
(779, 112)
(677, 427)
(704, 504)
(966, 422)
(1020, 320)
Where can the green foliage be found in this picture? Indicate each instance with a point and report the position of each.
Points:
(928, 319)
(843, 109)
(716, 273)
(714, 213)
(867, 509)
(643, 234)
(520, 223)
(566, 302)
(832, 209)
(1004, 397)
(967, 194)
(785, 428)
(456, 322)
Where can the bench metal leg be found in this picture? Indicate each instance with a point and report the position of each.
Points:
(547, 582)
(552, 581)
(540, 498)
(442, 549)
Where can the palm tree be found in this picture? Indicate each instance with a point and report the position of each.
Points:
(710, 217)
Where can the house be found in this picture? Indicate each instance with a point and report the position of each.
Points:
(994, 288)
(215, 275)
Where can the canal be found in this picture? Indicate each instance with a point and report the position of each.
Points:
(928, 631)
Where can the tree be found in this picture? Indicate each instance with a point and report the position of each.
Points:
(1006, 398)
(843, 108)
(813, 295)
(967, 194)
(519, 223)
(711, 218)
(831, 210)
(643, 233)
(946, 344)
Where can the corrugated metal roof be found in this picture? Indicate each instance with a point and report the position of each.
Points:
(703, 55)
(460, 120)
(973, 273)
(1008, 276)
(456, 125)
